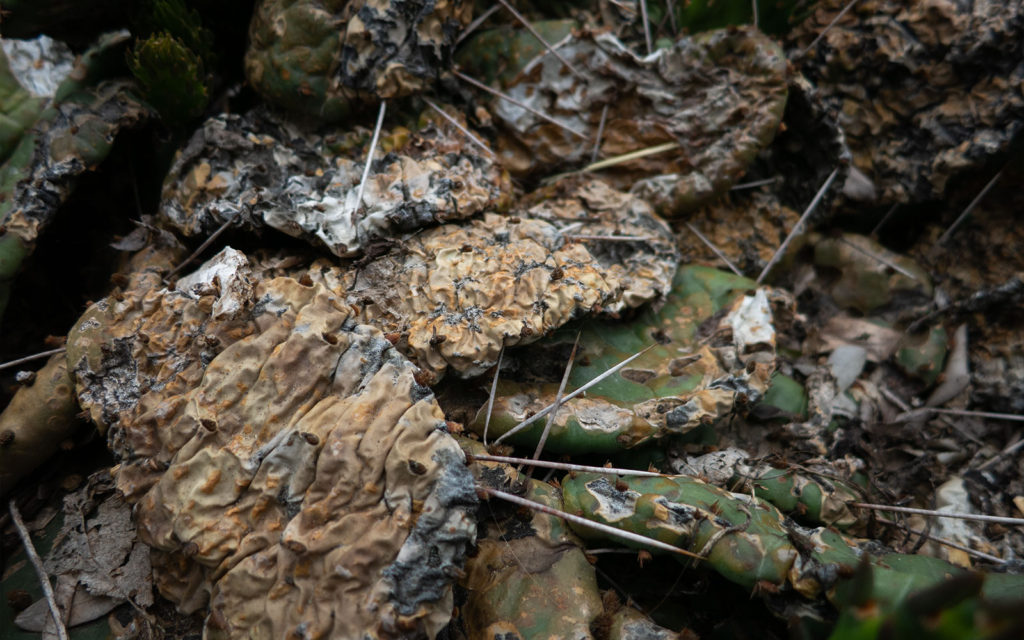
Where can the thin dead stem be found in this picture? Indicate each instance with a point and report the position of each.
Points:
(714, 249)
(369, 158)
(206, 243)
(473, 26)
(547, 45)
(821, 35)
(35, 356)
(545, 411)
(566, 466)
(458, 125)
(494, 392)
(781, 251)
(939, 514)
(37, 564)
(508, 98)
(600, 134)
(970, 207)
(877, 258)
(753, 185)
(558, 398)
(597, 526)
(944, 542)
(647, 26)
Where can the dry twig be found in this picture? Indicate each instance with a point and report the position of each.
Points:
(518, 103)
(547, 45)
(821, 35)
(714, 249)
(597, 526)
(781, 251)
(37, 564)
(565, 466)
(35, 356)
(545, 411)
(494, 391)
(939, 514)
(455, 123)
(558, 398)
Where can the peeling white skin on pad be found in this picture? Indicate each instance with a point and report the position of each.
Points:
(614, 505)
(751, 322)
(39, 65)
(232, 273)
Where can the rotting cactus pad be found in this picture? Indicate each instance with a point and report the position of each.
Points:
(453, 295)
(304, 482)
(266, 171)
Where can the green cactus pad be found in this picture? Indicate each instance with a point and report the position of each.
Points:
(679, 384)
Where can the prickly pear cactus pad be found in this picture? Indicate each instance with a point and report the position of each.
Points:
(816, 498)
(529, 576)
(924, 90)
(326, 57)
(302, 476)
(73, 134)
(711, 349)
(713, 100)
(266, 171)
(452, 296)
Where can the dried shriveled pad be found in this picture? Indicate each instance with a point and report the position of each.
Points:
(711, 350)
(283, 459)
(924, 90)
(719, 96)
(305, 182)
(637, 251)
(326, 58)
(454, 295)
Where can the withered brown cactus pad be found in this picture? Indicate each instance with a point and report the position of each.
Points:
(638, 251)
(718, 96)
(294, 475)
(455, 294)
(265, 171)
(924, 89)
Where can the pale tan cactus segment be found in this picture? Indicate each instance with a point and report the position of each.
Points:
(296, 479)
(630, 242)
(135, 353)
(457, 293)
(454, 295)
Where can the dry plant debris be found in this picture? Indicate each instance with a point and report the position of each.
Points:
(277, 442)
(97, 558)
